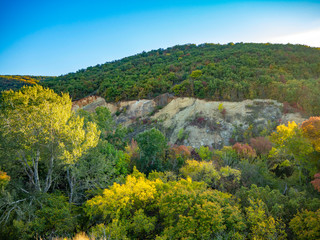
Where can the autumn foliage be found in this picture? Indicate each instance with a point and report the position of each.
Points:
(132, 149)
(4, 178)
(185, 210)
(316, 182)
(261, 145)
(305, 225)
(311, 129)
(244, 150)
(59, 176)
(181, 150)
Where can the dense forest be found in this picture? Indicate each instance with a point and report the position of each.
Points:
(212, 71)
(69, 174)
(65, 173)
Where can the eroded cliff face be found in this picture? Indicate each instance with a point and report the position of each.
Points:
(194, 122)
(124, 112)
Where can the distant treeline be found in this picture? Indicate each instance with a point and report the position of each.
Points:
(16, 82)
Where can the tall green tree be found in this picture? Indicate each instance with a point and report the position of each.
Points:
(152, 144)
(39, 131)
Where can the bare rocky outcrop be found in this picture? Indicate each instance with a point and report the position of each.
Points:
(131, 111)
(205, 124)
(195, 122)
(125, 112)
(163, 99)
(91, 103)
(296, 117)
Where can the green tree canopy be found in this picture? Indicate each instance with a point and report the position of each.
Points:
(152, 144)
(39, 131)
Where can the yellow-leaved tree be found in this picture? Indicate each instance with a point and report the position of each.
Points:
(125, 209)
(152, 209)
(290, 141)
(261, 225)
(305, 225)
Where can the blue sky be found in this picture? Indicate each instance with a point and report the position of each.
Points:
(58, 37)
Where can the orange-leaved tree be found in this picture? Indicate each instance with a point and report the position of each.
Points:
(311, 130)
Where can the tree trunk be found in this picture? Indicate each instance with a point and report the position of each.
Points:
(36, 171)
(70, 181)
(27, 168)
(49, 175)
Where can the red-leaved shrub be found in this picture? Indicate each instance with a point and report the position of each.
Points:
(316, 182)
(261, 145)
(181, 150)
(244, 150)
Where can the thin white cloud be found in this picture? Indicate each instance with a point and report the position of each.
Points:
(310, 38)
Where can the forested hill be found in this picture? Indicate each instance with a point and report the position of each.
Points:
(218, 72)
(287, 73)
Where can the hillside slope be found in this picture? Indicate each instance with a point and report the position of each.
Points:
(231, 72)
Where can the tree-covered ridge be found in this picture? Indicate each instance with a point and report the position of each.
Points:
(15, 82)
(213, 71)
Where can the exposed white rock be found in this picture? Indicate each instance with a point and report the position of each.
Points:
(205, 124)
(289, 117)
(202, 121)
(134, 109)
